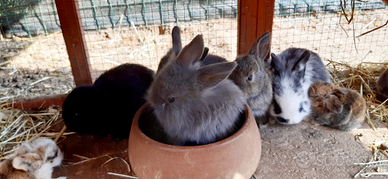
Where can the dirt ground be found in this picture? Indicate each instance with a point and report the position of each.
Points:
(309, 151)
(299, 151)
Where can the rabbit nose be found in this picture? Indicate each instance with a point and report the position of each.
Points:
(282, 120)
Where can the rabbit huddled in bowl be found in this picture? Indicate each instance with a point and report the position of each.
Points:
(293, 72)
(108, 106)
(252, 75)
(35, 159)
(382, 84)
(196, 104)
(336, 107)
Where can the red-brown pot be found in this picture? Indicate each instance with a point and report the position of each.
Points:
(235, 157)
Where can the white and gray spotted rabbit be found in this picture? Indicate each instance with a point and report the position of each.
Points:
(196, 104)
(294, 70)
(252, 76)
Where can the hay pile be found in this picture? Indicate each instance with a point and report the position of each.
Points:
(18, 126)
(363, 78)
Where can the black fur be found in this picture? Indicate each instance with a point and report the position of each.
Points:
(109, 105)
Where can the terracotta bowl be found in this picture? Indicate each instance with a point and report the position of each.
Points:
(235, 157)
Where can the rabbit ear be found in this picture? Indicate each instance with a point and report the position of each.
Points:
(204, 54)
(176, 40)
(260, 47)
(211, 75)
(312, 90)
(334, 105)
(176, 48)
(192, 52)
(300, 65)
(27, 162)
(301, 62)
(276, 65)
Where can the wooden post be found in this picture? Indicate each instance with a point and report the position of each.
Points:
(255, 17)
(73, 33)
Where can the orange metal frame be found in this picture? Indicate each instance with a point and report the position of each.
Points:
(254, 18)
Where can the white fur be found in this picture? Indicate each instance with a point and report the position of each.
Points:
(289, 102)
(33, 157)
(44, 172)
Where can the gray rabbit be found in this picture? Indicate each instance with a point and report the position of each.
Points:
(196, 104)
(253, 77)
(294, 70)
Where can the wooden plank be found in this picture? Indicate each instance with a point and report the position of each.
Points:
(41, 102)
(254, 18)
(73, 33)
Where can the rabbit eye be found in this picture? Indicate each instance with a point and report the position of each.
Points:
(170, 100)
(54, 156)
(250, 77)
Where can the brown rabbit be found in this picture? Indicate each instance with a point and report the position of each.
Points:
(336, 107)
(382, 84)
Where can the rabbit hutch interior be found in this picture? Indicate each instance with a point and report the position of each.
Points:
(260, 89)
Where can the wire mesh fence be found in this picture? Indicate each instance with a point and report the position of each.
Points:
(141, 32)
(34, 60)
(321, 27)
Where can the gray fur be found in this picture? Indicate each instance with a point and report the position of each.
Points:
(208, 59)
(207, 105)
(294, 70)
(176, 47)
(258, 91)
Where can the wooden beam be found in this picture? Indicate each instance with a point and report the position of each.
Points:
(73, 33)
(40, 102)
(255, 17)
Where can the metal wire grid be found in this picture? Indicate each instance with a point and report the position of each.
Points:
(37, 63)
(332, 39)
(112, 38)
(143, 37)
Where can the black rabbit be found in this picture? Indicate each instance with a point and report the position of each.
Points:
(108, 106)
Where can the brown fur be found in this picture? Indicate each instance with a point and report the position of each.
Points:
(382, 84)
(336, 107)
(8, 172)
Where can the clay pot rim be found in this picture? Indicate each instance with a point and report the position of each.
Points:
(227, 141)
